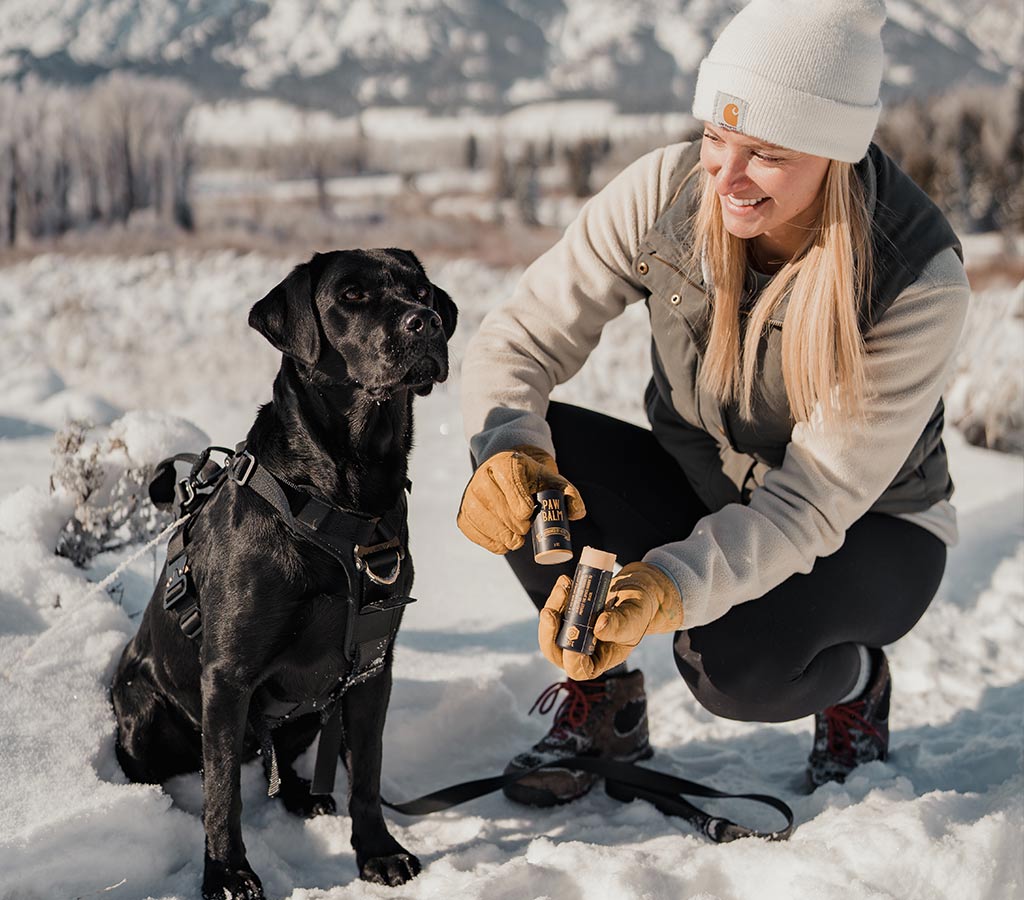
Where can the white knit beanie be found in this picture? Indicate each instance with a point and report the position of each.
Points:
(803, 74)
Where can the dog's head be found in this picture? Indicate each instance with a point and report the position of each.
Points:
(366, 316)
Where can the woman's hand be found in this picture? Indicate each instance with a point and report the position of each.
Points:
(499, 500)
(642, 598)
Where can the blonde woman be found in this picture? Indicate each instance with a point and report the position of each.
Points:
(787, 513)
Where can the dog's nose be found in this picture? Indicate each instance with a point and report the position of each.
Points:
(421, 321)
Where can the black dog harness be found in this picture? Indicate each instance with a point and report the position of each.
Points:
(369, 549)
(372, 549)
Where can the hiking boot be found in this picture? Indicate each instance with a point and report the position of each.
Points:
(849, 734)
(605, 717)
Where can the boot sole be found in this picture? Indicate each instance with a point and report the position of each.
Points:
(531, 796)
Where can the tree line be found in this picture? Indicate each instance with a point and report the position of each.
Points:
(965, 149)
(75, 157)
(78, 157)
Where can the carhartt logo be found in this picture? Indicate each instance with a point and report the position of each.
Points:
(730, 111)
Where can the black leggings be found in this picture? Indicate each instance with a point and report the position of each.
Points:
(785, 655)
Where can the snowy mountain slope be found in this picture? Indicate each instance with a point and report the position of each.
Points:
(341, 54)
(941, 820)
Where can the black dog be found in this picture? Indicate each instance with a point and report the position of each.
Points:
(361, 332)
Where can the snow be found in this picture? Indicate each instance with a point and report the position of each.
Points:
(988, 400)
(943, 818)
(266, 122)
(450, 52)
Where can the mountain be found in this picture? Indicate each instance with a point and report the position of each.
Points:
(447, 54)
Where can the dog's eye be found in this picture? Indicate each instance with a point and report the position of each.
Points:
(355, 294)
(422, 292)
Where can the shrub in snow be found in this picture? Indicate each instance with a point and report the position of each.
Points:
(986, 397)
(105, 473)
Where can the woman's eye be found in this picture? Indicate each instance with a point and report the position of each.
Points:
(710, 137)
(768, 159)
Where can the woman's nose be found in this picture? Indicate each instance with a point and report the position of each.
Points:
(732, 174)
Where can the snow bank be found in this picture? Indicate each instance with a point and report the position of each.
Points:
(942, 818)
(986, 398)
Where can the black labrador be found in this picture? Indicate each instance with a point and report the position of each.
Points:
(361, 333)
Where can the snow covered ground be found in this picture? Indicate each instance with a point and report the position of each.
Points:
(944, 818)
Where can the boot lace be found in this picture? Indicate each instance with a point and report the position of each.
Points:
(575, 707)
(841, 720)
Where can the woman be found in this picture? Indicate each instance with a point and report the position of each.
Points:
(788, 512)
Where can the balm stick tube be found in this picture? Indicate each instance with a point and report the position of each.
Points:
(586, 601)
(551, 541)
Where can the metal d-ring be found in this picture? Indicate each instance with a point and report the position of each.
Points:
(360, 554)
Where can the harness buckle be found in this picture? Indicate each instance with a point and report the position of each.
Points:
(242, 467)
(191, 623)
(392, 548)
(176, 586)
(185, 493)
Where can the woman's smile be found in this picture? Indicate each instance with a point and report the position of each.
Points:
(767, 192)
(743, 205)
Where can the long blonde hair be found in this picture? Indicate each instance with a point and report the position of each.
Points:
(822, 346)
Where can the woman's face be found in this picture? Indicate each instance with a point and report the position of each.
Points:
(766, 192)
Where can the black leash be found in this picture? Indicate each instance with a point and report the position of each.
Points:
(344, 534)
(625, 782)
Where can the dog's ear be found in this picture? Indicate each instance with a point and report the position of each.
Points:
(447, 310)
(286, 317)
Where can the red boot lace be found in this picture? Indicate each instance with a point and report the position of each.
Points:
(574, 708)
(841, 719)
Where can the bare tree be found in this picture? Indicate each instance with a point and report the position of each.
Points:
(579, 163)
(8, 162)
(525, 186)
(965, 150)
(77, 156)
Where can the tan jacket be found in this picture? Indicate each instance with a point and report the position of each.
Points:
(828, 478)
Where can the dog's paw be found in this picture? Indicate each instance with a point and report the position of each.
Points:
(223, 883)
(391, 870)
(300, 802)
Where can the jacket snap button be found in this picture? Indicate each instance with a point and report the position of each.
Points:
(674, 299)
(642, 268)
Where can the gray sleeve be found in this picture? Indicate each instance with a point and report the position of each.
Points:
(831, 475)
(546, 330)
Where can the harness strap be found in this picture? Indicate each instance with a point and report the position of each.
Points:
(625, 782)
(179, 594)
(327, 523)
(343, 534)
(326, 766)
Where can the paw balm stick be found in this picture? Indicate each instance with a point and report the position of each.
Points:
(551, 541)
(586, 601)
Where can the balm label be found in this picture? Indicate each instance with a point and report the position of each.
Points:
(586, 602)
(550, 528)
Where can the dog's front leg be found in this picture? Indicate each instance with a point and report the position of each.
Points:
(380, 857)
(226, 872)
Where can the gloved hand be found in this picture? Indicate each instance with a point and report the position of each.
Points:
(499, 500)
(642, 599)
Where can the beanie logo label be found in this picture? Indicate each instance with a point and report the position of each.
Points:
(730, 111)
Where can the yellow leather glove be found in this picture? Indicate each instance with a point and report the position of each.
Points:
(642, 599)
(499, 500)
